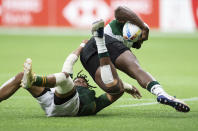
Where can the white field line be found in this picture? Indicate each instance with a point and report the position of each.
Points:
(132, 99)
(130, 105)
(153, 103)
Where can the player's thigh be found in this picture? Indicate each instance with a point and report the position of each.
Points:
(128, 63)
(35, 91)
(91, 65)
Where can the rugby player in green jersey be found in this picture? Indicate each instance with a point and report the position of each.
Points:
(59, 95)
(122, 56)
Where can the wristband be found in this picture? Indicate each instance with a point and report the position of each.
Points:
(127, 86)
(82, 45)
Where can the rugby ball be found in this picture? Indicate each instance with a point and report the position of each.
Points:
(131, 32)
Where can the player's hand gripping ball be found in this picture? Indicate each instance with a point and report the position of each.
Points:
(131, 32)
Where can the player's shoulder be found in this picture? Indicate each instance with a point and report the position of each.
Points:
(116, 23)
(113, 21)
(114, 29)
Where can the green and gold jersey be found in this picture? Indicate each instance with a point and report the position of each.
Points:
(114, 29)
(90, 104)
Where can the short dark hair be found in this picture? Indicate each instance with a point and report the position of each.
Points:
(83, 76)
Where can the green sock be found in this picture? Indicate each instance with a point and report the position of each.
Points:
(40, 81)
(155, 88)
(151, 84)
(105, 54)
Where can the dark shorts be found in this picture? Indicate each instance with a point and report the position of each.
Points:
(89, 56)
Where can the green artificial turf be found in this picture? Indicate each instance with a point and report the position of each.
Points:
(173, 61)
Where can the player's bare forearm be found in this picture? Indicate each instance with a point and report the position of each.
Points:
(72, 59)
(124, 14)
(79, 49)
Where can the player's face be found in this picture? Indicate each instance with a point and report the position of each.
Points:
(80, 82)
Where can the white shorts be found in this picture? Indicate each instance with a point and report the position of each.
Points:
(69, 108)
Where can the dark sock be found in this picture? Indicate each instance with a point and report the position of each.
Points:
(151, 84)
(105, 54)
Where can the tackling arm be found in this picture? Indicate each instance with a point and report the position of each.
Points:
(72, 58)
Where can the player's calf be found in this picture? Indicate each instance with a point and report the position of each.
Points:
(10, 87)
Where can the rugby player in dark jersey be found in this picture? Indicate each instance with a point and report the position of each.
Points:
(122, 57)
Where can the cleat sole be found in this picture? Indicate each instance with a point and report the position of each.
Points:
(173, 103)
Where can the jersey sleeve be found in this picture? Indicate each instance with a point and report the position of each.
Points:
(101, 102)
(116, 27)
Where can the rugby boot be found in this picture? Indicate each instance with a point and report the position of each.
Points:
(28, 76)
(98, 28)
(175, 103)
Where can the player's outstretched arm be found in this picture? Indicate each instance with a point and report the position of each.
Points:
(124, 14)
(79, 49)
(72, 59)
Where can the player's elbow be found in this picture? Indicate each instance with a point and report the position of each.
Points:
(118, 11)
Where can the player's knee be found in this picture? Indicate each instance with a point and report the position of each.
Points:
(115, 87)
(111, 84)
(61, 78)
(64, 83)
